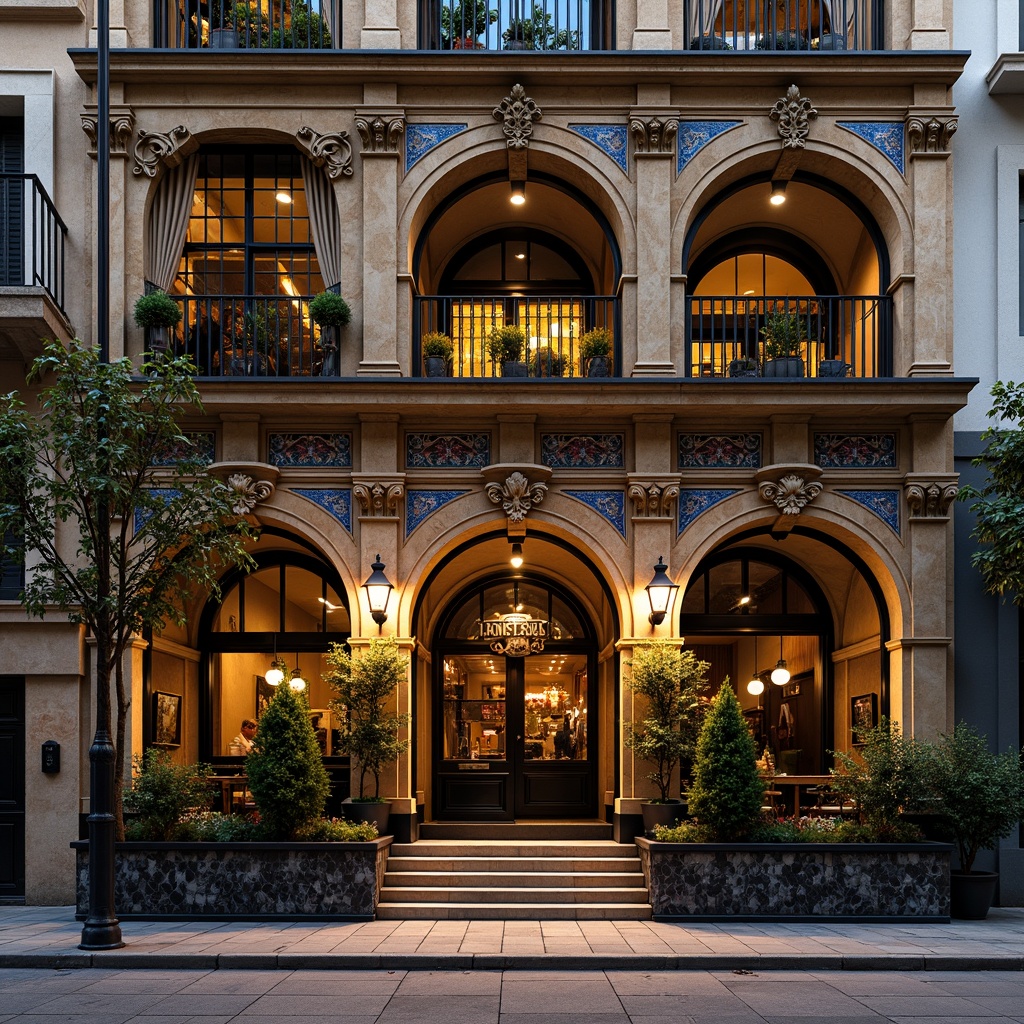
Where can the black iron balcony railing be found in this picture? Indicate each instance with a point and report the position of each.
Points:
(32, 237)
(248, 24)
(784, 24)
(831, 335)
(552, 329)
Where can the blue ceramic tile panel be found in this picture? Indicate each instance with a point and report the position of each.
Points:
(885, 136)
(719, 451)
(693, 502)
(337, 501)
(693, 136)
(420, 139)
(310, 450)
(855, 451)
(884, 504)
(612, 139)
(447, 451)
(420, 505)
(203, 442)
(610, 504)
(165, 494)
(582, 451)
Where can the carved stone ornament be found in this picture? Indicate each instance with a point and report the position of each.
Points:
(516, 495)
(332, 151)
(122, 124)
(517, 112)
(152, 148)
(930, 134)
(381, 133)
(654, 135)
(653, 500)
(930, 499)
(794, 113)
(790, 493)
(246, 492)
(379, 499)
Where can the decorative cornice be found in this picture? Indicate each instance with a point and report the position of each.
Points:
(930, 498)
(653, 500)
(794, 114)
(517, 112)
(247, 492)
(381, 133)
(333, 151)
(789, 488)
(152, 148)
(516, 495)
(654, 135)
(379, 498)
(930, 133)
(122, 124)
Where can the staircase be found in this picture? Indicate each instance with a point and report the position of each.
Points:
(513, 875)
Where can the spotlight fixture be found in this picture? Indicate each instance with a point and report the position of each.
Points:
(780, 674)
(778, 196)
(518, 193)
(517, 555)
(660, 592)
(378, 592)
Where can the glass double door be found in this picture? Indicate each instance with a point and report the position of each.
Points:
(516, 738)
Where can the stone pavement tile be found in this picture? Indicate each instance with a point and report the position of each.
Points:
(368, 1002)
(13, 979)
(665, 983)
(451, 983)
(711, 1017)
(926, 1006)
(84, 1002)
(797, 1000)
(75, 1018)
(1006, 1005)
(156, 981)
(199, 1003)
(974, 985)
(426, 1009)
(585, 994)
(338, 983)
(568, 1017)
(177, 1018)
(879, 983)
(948, 1020)
(231, 982)
(337, 1018)
(757, 977)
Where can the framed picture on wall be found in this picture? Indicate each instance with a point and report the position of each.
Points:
(166, 719)
(863, 716)
(264, 693)
(755, 723)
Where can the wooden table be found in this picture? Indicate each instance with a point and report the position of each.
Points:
(796, 782)
(233, 789)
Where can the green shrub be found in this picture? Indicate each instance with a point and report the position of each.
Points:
(595, 342)
(548, 362)
(435, 345)
(329, 309)
(798, 830)
(162, 793)
(783, 334)
(505, 344)
(337, 830)
(157, 309)
(285, 770)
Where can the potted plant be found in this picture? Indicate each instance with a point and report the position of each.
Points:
(710, 42)
(437, 349)
(330, 312)
(259, 334)
(537, 33)
(365, 686)
(308, 30)
(156, 313)
(745, 366)
(230, 22)
(670, 681)
(595, 351)
(505, 346)
(548, 362)
(783, 335)
(463, 22)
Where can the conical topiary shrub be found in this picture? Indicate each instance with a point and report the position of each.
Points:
(286, 775)
(727, 791)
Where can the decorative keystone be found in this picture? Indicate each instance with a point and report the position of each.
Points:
(794, 114)
(789, 488)
(517, 112)
(247, 492)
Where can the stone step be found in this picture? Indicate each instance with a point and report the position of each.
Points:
(534, 850)
(461, 865)
(565, 830)
(514, 912)
(488, 895)
(515, 879)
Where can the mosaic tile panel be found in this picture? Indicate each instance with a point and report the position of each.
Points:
(693, 136)
(172, 454)
(582, 451)
(886, 136)
(421, 504)
(855, 451)
(693, 502)
(310, 450)
(447, 451)
(719, 451)
(610, 504)
(337, 501)
(885, 504)
(611, 139)
(420, 139)
(165, 494)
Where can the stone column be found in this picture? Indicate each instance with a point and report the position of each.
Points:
(928, 32)
(652, 30)
(380, 31)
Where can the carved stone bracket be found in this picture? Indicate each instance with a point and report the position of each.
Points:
(654, 135)
(381, 133)
(249, 483)
(380, 497)
(794, 114)
(517, 112)
(930, 498)
(517, 489)
(122, 124)
(790, 489)
(653, 500)
(930, 133)
(154, 148)
(333, 151)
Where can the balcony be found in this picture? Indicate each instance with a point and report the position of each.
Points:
(832, 335)
(248, 24)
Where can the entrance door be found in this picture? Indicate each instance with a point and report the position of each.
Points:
(12, 790)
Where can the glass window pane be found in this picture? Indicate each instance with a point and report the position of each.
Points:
(556, 708)
(474, 708)
(693, 602)
(262, 601)
(765, 589)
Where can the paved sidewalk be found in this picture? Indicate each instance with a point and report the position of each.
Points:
(49, 936)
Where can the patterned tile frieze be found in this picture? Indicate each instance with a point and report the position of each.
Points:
(695, 135)
(610, 504)
(421, 504)
(420, 139)
(885, 136)
(720, 451)
(694, 502)
(582, 451)
(335, 500)
(883, 503)
(447, 451)
(611, 139)
(855, 451)
(201, 444)
(317, 451)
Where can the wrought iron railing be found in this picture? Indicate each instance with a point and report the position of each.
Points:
(832, 335)
(552, 327)
(247, 24)
(784, 24)
(32, 237)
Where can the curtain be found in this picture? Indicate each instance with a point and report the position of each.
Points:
(702, 17)
(168, 222)
(836, 13)
(324, 221)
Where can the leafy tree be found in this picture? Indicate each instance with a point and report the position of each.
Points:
(727, 791)
(286, 774)
(113, 506)
(671, 681)
(464, 19)
(538, 33)
(162, 792)
(364, 686)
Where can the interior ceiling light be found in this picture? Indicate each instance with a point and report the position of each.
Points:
(520, 255)
(517, 555)
(297, 683)
(518, 193)
(283, 197)
(756, 685)
(778, 196)
(780, 674)
(330, 607)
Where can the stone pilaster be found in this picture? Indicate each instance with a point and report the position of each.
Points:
(380, 30)
(652, 30)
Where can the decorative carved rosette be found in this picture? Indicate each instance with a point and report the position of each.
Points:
(379, 499)
(122, 124)
(930, 134)
(247, 492)
(333, 151)
(381, 132)
(794, 114)
(790, 493)
(930, 499)
(653, 500)
(516, 495)
(654, 135)
(517, 112)
(152, 148)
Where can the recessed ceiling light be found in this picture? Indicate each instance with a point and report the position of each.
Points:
(283, 197)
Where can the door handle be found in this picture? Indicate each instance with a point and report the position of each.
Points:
(518, 738)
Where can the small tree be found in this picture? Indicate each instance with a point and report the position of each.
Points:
(364, 686)
(671, 681)
(162, 792)
(727, 791)
(285, 770)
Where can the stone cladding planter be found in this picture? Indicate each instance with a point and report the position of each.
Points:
(797, 881)
(242, 881)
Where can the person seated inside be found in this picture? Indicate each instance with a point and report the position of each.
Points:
(245, 736)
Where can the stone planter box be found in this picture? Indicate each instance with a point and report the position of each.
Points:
(242, 881)
(797, 881)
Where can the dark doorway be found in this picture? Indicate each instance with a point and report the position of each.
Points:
(12, 789)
